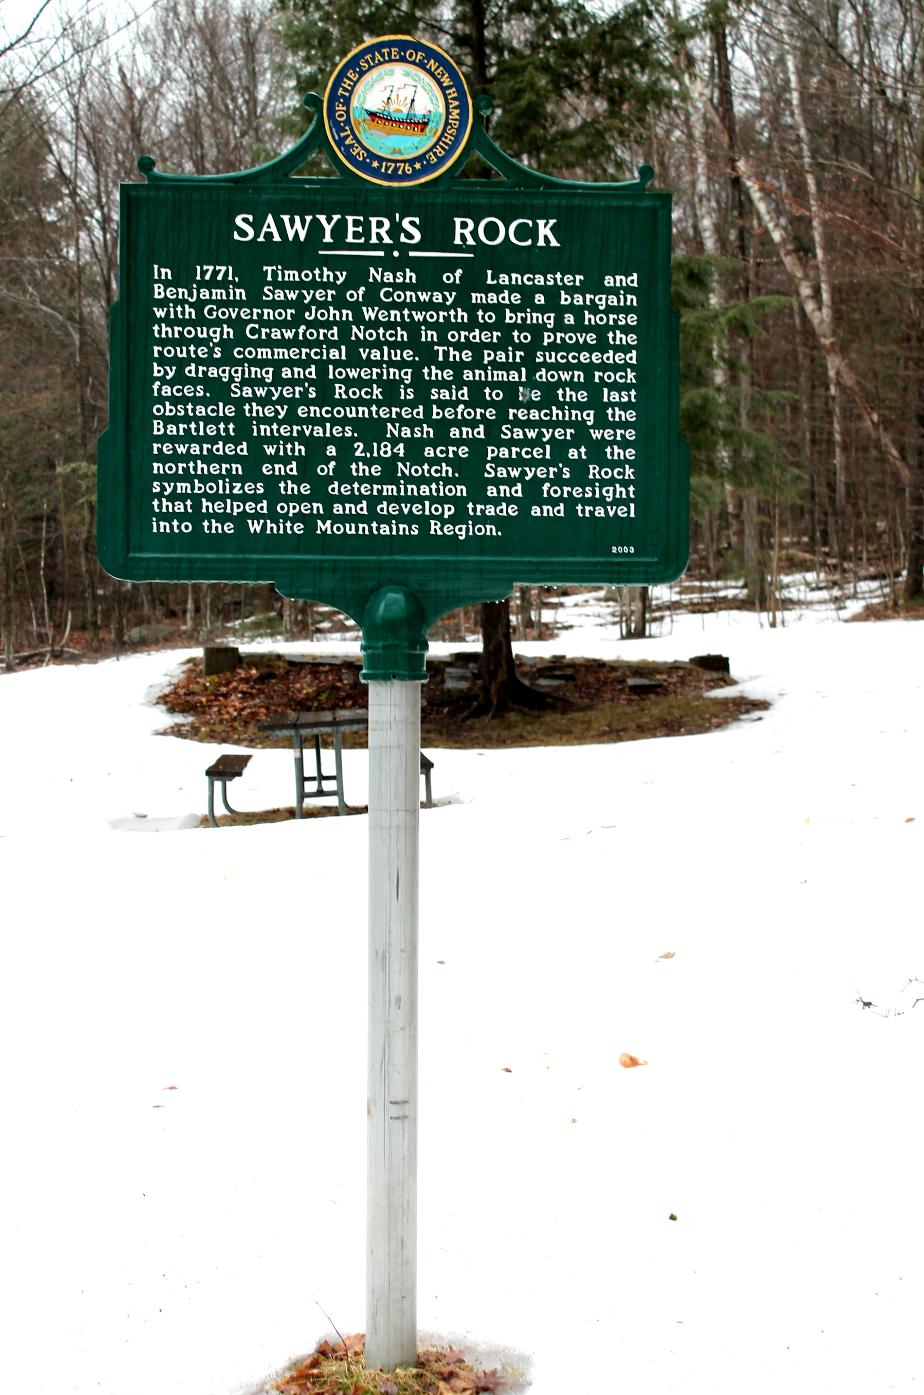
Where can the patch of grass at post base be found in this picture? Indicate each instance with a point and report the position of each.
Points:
(339, 1368)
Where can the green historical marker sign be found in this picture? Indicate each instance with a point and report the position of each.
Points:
(338, 384)
(397, 391)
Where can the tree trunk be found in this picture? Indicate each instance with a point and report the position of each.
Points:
(913, 588)
(524, 612)
(88, 568)
(710, 236)
(118, 624)
(638, 612)
(775, 612)
(824, 287)
(47, 622)
(781, 237)
(755, 554)
(479, 46)
(9, 663)
(755, 557)
(500, 689)
(914, 576)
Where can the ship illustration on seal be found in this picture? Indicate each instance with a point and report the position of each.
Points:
(398, 115)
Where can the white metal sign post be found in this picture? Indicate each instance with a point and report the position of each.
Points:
(394, 818)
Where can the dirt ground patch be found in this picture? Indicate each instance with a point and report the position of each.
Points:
(879, 610)
(589, 701)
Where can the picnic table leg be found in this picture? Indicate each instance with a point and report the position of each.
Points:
(299, 774)
(338, 771)
(212, 819)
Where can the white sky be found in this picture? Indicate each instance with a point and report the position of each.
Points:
(17, 15)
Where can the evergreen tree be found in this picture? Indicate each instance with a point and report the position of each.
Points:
(572, 90)
(723, 451)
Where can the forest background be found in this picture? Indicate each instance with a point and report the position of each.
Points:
(790, 133)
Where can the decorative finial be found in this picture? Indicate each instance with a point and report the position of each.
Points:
(146, 164)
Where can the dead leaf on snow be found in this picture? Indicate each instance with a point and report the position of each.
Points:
(351, 1344)
(489, 1380)
(628, 1061)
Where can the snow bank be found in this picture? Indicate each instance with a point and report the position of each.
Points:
(184, 1041)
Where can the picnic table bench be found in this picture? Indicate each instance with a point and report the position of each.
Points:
(301, 727)
(225, 768)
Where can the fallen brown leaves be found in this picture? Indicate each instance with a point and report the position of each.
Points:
(884, 610)
(338, 1368)
(453, 1374)
(596, 704)
(301, 1378)
(231, 705)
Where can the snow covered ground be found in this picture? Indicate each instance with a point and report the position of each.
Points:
(184, 1042)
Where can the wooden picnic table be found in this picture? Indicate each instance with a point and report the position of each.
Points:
(301, 726)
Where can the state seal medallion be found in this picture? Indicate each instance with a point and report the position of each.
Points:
(397, 111)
